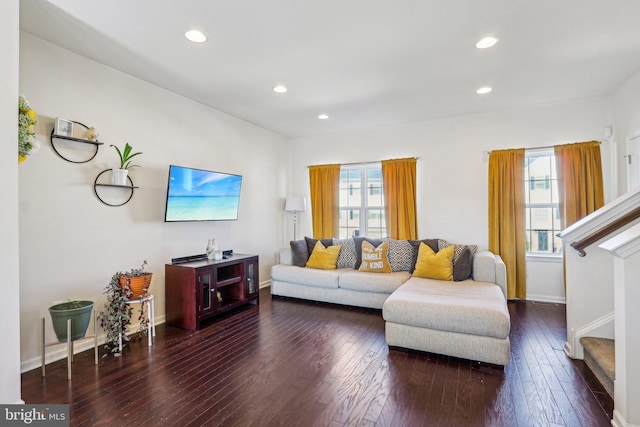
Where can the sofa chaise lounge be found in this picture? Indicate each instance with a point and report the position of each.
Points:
(467, 318)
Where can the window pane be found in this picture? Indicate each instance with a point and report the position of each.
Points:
(354, 175)
(541, 218)
(554, 192)
(361, 189)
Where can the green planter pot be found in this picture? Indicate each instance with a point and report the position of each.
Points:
(80, 314)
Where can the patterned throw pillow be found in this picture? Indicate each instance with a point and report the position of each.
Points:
(400, 254)
(462, 259)
(323, 258)
(375, 260)
(432, 265)
(347, 257)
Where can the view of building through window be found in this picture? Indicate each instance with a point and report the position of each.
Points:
(542, 203)
(361, 201)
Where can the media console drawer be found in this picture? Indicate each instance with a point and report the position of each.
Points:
(198, 290)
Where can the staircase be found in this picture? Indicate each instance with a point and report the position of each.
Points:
(600, 357)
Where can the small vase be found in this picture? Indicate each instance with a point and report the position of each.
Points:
(119, 176)
(211, 249)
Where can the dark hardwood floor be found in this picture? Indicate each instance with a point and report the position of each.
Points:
(294, 363)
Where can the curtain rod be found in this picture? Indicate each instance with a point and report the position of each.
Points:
(367, 163)
(546, 147)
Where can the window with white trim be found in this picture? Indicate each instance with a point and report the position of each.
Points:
(361, 201)
(542, 203)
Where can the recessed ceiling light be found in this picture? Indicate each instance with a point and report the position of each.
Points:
(484, 90)
(486, 42)
(195, 36)
(323, 116)
(279, 89)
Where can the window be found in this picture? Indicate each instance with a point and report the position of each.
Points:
(361, 201)
(542, 215)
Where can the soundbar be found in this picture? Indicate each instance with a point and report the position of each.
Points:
(188, 258)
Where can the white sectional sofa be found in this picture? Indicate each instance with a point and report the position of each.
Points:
(467, 319)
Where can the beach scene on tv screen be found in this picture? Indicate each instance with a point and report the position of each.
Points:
(198, 195)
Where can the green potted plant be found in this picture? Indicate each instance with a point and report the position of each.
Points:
(116, 316)
(80, 314)
(119, 175)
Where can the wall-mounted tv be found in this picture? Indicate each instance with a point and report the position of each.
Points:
(201, 195)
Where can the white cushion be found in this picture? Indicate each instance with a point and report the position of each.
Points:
(468, 307)
(372, 282)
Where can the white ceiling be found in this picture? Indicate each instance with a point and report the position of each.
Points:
(366, 63)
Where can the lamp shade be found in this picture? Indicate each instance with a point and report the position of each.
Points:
(295, 204)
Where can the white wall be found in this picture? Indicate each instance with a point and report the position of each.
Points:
(10, 301)
(452, 170)
(626, 111)
(71, 243)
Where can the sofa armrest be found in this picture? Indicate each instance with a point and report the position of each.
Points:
(285, 256)
(488, 267)
(501, 275)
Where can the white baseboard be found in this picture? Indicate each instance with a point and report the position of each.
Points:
(568, 350)
(595, 328)
(60, 351)
(265, 284)
(546, 298)
(619, 421)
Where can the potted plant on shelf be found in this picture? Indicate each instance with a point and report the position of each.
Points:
(80, 314)
(116, 316)
(119, 175)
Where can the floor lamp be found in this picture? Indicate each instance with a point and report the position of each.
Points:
(295, 204)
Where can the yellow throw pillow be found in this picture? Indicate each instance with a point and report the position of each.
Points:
(434, 265)
(375, 260)
(324, 258)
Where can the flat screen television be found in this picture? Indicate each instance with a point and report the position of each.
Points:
(201, 195)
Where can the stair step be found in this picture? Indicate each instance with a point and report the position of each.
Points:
(600, 357)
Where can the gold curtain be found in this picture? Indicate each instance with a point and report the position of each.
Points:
(506, 216)
(324, 180)
(399, 183)
(579, 169)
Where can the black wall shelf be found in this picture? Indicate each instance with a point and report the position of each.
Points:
(97, 185)
(55, 137)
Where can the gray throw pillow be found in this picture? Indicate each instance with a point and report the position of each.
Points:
(462, 266)
(432, 243)
(311, 243)
(299, 252)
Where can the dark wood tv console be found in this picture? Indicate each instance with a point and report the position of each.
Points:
(199, 290)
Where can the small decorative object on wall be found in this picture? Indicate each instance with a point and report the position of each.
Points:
(116, 316)
(63, 127)
(91, 134)
(27, 143)
(119, 175)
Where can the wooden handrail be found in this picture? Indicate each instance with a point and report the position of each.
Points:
(605, 230)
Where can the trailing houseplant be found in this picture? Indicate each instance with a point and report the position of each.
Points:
(120, 174)
(116, 316)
